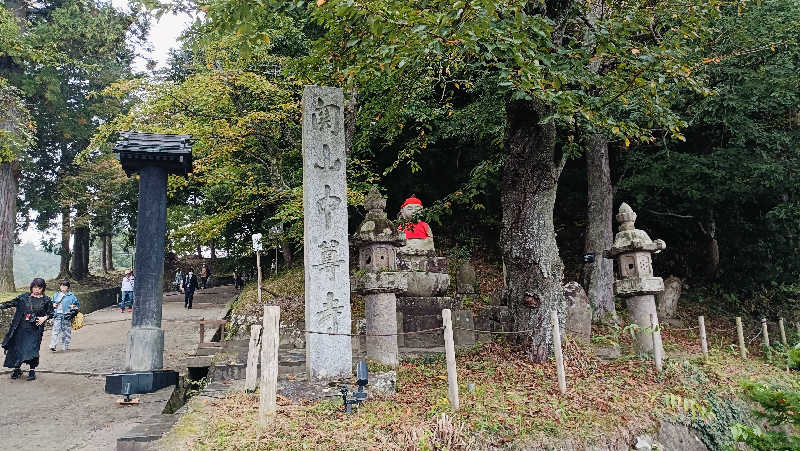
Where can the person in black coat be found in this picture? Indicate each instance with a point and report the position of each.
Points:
(24, 338)
(188, 287)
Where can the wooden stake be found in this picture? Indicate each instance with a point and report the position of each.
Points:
(562, 381)
(740, 333)
(765, 332)
(656, 334)
(703, 342)
(258, 265)
(450, 352)
(269, 363)
(253, 352)
(783, 332)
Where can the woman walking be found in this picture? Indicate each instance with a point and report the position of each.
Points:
(24, 338)
(65, 307)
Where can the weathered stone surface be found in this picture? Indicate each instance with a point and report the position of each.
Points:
(606, 351)
(383, 384)
(380, 312)
(145, 351)
(465, 279)
(425, 305)
(579, 312)
(494, 318)
(426, 263)
(327, 282)
(380, 282)
(401, 339)
(413, 323)
(678, 436)
(638, 286)
(667, 300)
(425, 284)
(462, 320)
(640, 308)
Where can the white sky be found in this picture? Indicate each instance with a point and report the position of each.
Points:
(162, 37)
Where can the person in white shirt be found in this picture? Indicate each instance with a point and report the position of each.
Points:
(127, 293)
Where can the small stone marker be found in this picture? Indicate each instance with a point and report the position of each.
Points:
(327, 280)
(667, 300)
(740, 333)
(579, 312)
(465, 279)
(765, 332)
(701, 321)
(251, 375)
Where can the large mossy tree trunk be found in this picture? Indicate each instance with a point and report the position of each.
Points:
(598, 277)
(80, 250)
(9, 186)
(533, 266)
(109, 253)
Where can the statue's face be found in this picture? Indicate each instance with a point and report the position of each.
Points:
(410, 210)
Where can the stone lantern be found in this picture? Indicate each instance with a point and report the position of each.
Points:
(632, 251)
(378, 239)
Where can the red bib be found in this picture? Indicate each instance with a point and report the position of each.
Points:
(418, 231)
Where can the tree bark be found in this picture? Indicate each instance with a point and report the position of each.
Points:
(9, 186)
(109, 252)
(213, 251)
(534, 267)
(286, 251)
(66, 255)
(80, 252)
(199, 252)
(712, 258)
(598, 277)
(103, 259)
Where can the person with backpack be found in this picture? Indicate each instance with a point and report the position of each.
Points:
(65, 307)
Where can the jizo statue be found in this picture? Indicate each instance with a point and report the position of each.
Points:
(419, 237)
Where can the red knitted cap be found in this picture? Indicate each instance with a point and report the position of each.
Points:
(411, 200)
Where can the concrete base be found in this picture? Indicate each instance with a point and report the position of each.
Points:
(382, 319)
(141, 382)
(145, 349)
(640, 308)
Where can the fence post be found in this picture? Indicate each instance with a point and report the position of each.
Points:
(258, 266)
(701, 320)
(269, 363)
(783, 332)
(562, 381)
(765, 332)
(740, 333)
(252, 358)
(656, 342)
(450, 352)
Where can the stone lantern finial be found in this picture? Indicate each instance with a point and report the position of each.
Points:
(626, 217)
(375, 204)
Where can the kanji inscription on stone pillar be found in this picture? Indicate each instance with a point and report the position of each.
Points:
(327, 287)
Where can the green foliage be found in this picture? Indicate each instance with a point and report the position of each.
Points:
(779, 407)
(17, 131)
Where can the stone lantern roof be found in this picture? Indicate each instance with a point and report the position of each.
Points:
(376, 227)
(631, 239)
(139, 150)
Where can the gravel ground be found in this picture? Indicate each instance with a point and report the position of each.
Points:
(72, 411)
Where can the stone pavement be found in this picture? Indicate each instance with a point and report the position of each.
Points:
(68, 409)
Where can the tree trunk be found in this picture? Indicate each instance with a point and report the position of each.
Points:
(286, 251)
(199, 252)
(712, 259)
(66, 232)
(213, 251)
(9, 186)
(103, 259)
(109, 252)
(534, 267)
(80, 253)
(598, 277)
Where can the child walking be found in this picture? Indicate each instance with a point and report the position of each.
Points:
(65, 307)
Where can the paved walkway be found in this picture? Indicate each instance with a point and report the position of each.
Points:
(71, 411)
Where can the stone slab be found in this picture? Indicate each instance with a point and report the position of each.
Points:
(463, 319)
(426, 284)
(327, 280)
(380, 282)
(638, 286)
(426, 305)
(141, 382)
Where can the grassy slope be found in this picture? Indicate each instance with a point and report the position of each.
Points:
(514, 403)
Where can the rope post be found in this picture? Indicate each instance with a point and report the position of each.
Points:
(740, 333)
(251, 375)
(562, 381)
(783, 332)
(269, 363)
(703, 342)
(765, 332)
(450, 352)
(202, 330)
(656, 342)
(258, 266)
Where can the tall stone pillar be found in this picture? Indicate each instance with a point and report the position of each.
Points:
(632, 251)
(153, 156)
(377, 239)
(146, 338)
(327, 281)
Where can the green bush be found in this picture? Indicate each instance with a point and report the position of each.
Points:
(779, 407)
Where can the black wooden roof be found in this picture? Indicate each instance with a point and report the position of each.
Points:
(138, 150)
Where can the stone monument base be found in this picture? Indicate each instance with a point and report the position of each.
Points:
(145, 349)
(140, 382)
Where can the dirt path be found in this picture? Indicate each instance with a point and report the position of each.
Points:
(71, 411)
